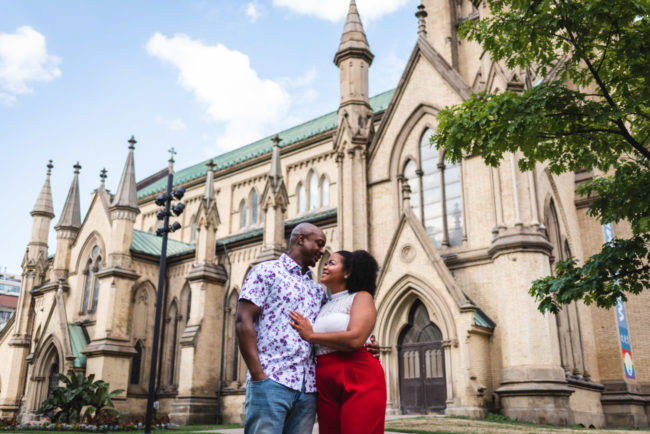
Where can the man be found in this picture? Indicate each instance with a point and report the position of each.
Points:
(281, 389)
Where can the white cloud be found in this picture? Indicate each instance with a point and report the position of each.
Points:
(335, 10)
(387, 71)
(174, 124)
(252, 12)
(24, 60)
(224, 80)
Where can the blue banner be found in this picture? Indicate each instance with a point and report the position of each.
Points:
(621, 319)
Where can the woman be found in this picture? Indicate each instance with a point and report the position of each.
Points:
(350, 381)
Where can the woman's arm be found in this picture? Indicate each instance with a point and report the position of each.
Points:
(362, 320)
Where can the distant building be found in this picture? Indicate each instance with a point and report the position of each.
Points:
(9, 292)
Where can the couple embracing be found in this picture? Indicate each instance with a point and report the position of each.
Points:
(305, 353)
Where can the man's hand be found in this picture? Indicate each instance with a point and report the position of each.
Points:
(373, 347)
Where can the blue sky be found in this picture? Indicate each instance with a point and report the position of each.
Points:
(78, 78)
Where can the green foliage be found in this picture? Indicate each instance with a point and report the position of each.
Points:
(100, 408)
(67, 402)
(588, 108)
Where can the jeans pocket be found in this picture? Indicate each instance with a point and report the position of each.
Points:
(260, 381)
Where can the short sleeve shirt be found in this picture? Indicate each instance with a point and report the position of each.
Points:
(277, 288)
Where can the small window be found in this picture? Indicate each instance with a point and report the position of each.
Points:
(313, 191)
(243, 210)
(325, 187)
(302, 199)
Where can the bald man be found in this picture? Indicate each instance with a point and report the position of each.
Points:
(281, 384)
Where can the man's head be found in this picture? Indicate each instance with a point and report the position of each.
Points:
(306, 244)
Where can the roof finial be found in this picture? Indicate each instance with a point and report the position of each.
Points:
(210, 165)
(421, 14)
(276, 168)
(49, 167)
(77, 168)
(172, 152)
(102, 175)
(132, 142)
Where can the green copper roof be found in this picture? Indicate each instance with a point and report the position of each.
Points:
(264, 146)
(482, 320)
(309, 218)
(151, 244)
(77, 342)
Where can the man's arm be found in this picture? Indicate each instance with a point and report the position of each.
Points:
(247, 314)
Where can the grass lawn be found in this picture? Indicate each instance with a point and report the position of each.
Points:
(493, 424)
(180, 430)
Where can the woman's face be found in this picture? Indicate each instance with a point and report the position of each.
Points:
(333, 271)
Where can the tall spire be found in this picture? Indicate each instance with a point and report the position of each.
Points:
(126, 196)
(71, 214)
(353, 40)
(43, 205)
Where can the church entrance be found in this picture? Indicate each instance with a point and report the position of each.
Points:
(421, 364)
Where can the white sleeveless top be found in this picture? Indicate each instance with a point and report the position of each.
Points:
(334, 316)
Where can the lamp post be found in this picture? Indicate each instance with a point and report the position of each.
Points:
(163, 199)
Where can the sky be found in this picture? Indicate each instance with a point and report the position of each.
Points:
(78, 78)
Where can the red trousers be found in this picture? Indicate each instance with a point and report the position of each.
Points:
(351, 393)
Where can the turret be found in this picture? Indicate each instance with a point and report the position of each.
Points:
(207, 220)
(275, 200)
(42, 215)
(354, 132)
(67, 228)
(123, 211)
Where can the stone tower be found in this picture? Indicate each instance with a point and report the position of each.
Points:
(67, 229)
(275, 200)
(34, 267)
(109, 352)
(354, 132)
(196, 401)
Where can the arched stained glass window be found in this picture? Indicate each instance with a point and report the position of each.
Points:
(436, 192)
(313, 191)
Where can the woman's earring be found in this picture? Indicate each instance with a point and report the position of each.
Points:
(345, 277)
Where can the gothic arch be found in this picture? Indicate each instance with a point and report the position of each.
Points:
(48, 357)
(325, 193)
(93, 239)
(233, 361)
(413, 122)
(393, 315)
(254, 207)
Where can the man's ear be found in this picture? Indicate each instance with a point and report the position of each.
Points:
(301, 239)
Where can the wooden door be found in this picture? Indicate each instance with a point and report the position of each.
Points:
(421, 365)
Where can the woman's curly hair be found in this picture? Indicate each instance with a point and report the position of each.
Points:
(363, 271)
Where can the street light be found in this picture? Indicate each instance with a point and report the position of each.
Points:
(163, 199)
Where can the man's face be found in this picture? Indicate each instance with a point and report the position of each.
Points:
(312, 247)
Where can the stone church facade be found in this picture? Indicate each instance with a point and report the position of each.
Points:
(458, 247)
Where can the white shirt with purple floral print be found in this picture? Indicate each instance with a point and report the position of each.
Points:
(277, 288)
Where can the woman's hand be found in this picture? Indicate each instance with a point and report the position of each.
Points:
(302, 325)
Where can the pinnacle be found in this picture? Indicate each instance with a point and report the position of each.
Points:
(43, 205)
(353, 40)
(71, 214)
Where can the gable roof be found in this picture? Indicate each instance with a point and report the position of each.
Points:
(303, 131)
(423, 48)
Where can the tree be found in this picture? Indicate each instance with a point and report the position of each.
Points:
(587, 107)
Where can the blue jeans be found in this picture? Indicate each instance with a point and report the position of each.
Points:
(272, 408)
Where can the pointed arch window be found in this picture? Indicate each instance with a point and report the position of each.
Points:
(325, 188)
(313, 191)
(91, 285)
(136, 363)
(302, 198)
(438, 200)
(243, 210)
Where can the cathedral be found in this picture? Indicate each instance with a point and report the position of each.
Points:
(458, 246)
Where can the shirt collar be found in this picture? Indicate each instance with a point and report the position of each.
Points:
(292, 266)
